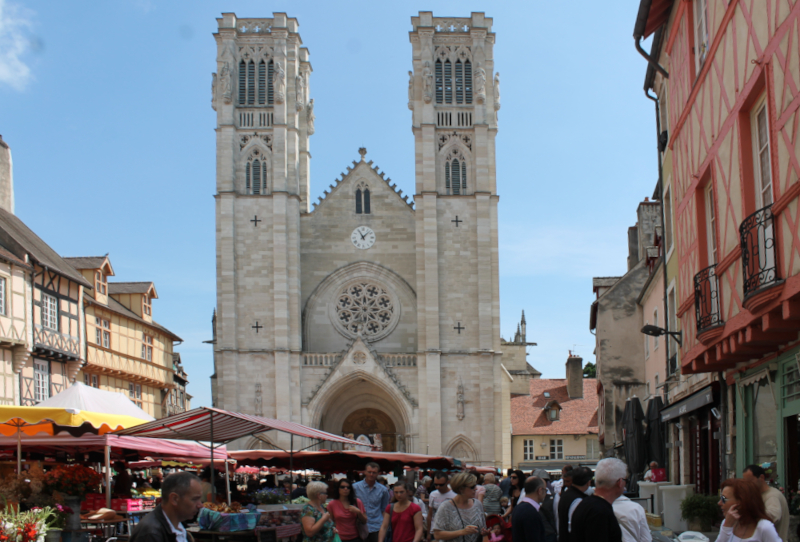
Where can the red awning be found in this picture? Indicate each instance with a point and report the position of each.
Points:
(216, 425)
(340, 461)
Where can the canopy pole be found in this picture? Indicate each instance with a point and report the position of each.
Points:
(19, 450)
(108, 475)
(213, 485)
(227, 483)
(291, 463)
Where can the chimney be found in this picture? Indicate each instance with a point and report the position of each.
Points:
(575, 377)
(6, 178)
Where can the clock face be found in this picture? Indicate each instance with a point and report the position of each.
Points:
(363, 237)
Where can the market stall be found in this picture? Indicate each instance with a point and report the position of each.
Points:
(332, 461)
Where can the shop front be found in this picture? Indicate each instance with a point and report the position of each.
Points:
(768, 419)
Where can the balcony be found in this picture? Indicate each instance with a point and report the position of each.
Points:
(55, 346)
(706, 301)
(757, 234)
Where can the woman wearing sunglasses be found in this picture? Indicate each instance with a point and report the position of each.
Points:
(347, 511)
(746, 517)
(462, 518)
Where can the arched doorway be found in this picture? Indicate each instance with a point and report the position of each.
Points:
(371, 421)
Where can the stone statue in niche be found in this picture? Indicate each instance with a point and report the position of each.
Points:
(225, 82)
(427, 80)
(214, 91)
(410, 89)
(300, 83)
(497, 91)
(480, 84)
(460, 401)
(311, 117)
(279, 83)
(258, 402)
(401, 443)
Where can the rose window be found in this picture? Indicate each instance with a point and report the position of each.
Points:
(366, 306)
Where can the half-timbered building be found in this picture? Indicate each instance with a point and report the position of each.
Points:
(727, 80)
(126, 350)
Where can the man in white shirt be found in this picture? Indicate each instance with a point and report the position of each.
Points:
(648, 476)
(632, 520)
(441, 494)
(559, 484)
(774, 501)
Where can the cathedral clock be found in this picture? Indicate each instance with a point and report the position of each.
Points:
(363, 237)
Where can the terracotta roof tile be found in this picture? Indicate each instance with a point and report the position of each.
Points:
(577, 416)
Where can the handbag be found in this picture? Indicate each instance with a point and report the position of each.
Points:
(363, 529)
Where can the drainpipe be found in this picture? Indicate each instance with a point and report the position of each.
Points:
(638, 32)
(723, 426)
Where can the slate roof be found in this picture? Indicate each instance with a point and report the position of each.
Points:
(19, 238)
(129, 287)
(577, 416)
(86, 262)
(119, 308)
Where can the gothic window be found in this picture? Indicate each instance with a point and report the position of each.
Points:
(255, 174)
(446, 83)
(365, 307)
(463, 82)
(362, 199)
(255, 83)
(455, 173)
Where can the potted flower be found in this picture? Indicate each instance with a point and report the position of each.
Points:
(700, 511)
(58, 521)
(72, 483)
(30, 526)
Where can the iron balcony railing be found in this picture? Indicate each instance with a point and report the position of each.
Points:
(757, 234)
(706, 298)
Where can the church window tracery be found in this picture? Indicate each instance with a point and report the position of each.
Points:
(453, 78)
(255, 173)
(362, 199)
(255, 82)
(365, 307)
(455, 173)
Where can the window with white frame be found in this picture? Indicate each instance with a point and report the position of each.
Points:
(49, 312)
(592, 448)
(668, 219)
(655, 323)
(3, 310)
(646, 343)
(102, 332)
(556, 449)
(135, 391)
(528, 450)
(701, 38)
(147, 347)
(147, 307)
(763, 166)
(41, 380)
(91, 380)
(100, 282)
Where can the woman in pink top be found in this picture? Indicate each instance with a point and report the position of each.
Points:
(347, 511)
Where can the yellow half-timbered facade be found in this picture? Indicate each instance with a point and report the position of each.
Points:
(126, 350)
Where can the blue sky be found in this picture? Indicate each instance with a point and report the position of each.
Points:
(106, 107)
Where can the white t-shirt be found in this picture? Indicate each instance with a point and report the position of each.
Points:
(632, 520)
(436, 499)
(765, 532)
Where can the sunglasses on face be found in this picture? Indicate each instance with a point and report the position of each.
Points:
(440, 485)
(513, 477)
(344, 487)
(723, 498)
(473, 487)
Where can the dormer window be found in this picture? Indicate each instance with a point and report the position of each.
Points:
(147, 308)
(100, 282)
(547, 394)
(553, 414)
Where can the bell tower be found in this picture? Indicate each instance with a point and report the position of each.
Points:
(454, 97)
(260, 92)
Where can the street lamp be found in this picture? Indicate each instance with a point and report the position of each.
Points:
(655, 331)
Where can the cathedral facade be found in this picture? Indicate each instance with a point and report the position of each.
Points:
(363, 313)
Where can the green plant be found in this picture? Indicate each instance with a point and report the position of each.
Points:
(703, 508)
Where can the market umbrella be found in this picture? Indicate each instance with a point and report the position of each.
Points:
(654, 434)
(87, 398)
(633, 439)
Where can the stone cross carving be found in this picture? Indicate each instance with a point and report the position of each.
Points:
(480, 84)
(497, 91)
(258, 401)
(213, 91)
(300, 90)
(427, 79)
(311, 117)
(460, 401)
(410, 89)
(279, 83)
(225, 82)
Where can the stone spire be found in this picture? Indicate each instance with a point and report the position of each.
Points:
(6, 177)
(522, 328)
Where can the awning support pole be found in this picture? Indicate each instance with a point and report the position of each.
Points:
(213, 485)
(19, 450)
(227, 483)
(108, 475)
(291, 461)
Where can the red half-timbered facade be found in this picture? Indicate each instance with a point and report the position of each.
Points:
(731, 103)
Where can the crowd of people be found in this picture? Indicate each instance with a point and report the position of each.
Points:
(582, 506)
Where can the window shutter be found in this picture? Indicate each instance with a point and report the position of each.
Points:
(247, 177)
(459, 82)
(251, 83)
(270, 85)
(468, 81)
(262, 83)
(464, 177)
(358, 201)
(263, 177)
(366, 201)
(456, 179)
(242, 82)
(447, 177)
(439, 83)
(256, 177)
(448, 82)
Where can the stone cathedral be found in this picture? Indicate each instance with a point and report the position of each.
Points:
(362, 313)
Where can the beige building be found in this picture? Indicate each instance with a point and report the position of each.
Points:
(127, 351)
(556, 423)
(361, 313)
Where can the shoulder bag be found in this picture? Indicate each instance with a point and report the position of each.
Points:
(463, 526)
(363, 528)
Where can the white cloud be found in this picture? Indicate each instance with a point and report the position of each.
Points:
(14, 43)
